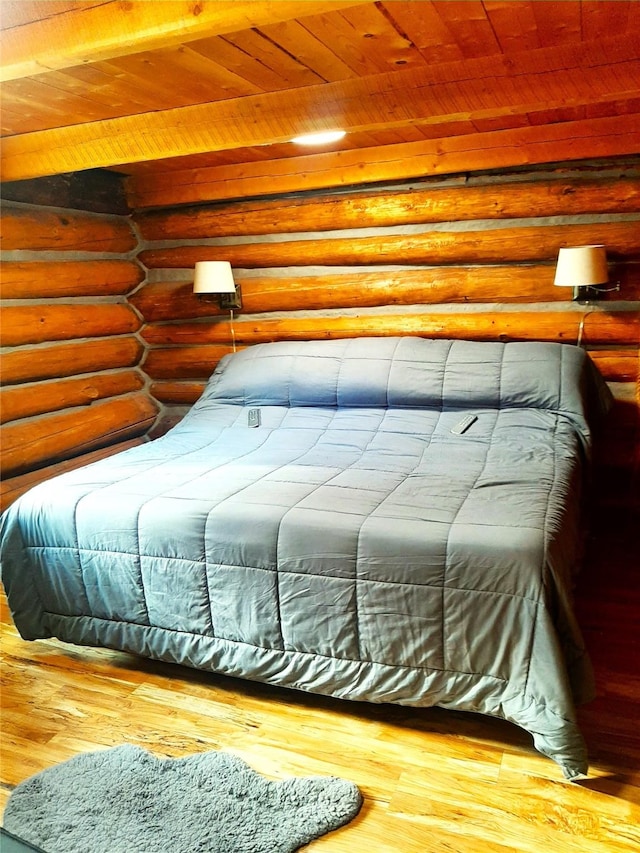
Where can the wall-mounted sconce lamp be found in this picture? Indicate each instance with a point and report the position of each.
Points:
(584, 268)
(213, 282)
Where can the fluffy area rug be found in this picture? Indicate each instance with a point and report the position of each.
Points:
(126, 800)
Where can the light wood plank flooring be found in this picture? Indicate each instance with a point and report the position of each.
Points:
(433, 780)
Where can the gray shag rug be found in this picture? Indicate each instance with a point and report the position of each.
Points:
(126, 800)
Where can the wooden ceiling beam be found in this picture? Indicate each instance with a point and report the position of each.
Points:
(396, 99)
(526, 146)
(114, 29)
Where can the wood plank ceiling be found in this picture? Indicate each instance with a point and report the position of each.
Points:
(177, 93)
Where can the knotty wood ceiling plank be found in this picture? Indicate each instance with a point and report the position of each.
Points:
(601, 20)
(143, 75)
(23, 121)
(299, 41)
(231, 56)
(105, 88)
(217, 78)
(87, 33)
(55, 106)
(383, 43)
(278, 68)
(514, 25)
(426, 30)
(468, 23)
(563, 27)
(182, 76)
(104, 83)
(77, 86)
(359, 53)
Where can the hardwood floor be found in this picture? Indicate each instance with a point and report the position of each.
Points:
(433, 780)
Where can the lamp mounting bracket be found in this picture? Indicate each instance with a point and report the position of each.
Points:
(231, 301)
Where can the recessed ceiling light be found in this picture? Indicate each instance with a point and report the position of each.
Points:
(321, 138)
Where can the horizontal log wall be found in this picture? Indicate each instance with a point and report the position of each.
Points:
(514, 243)
(399, 207)
(71, 344)
(464, 258)
(38, 228)
(42, 279)
(38, 398)
(26, 446)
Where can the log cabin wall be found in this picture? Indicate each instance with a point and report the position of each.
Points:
(464, 257)
(72, 390)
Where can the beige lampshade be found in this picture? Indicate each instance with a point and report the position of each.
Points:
(213, 277)
(581, 266)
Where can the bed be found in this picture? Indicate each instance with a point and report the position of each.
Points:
(402, 524)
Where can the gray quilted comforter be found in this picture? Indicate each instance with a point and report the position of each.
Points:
(351, 544)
